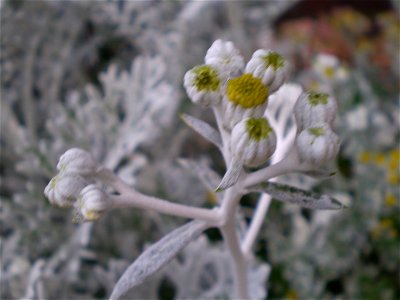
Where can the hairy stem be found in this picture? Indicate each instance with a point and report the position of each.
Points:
(238, 259)
(229, 206)
(131, 198)
(287, 165)
(285, 143)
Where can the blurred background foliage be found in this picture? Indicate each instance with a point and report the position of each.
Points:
(107, 77)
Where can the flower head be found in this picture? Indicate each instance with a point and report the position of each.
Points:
(270, 66)
(93, 202)
(64, 189)
(328, 67)
(253, 141)
(203, 84)
(77, 161)
(223, 56)
(317, 145)
(314, 107)
(245, 97)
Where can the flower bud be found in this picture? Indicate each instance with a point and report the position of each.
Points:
(253, 141)
(77, 161)
(312, 108)
(64, 189)
(317, 145)
(270, 66)
(328, 67)
(93, 202)
(202, 84)
(224, 57)
(245, 97)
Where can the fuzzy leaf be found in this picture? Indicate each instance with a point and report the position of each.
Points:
(231, 176)
(200, 169)
(286, 193)
(204, 129)
(156, 256)
(208, 177)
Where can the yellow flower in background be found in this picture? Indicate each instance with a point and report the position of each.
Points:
(394, 159)
(393, 178)
(379, 158)
(365, 157)
(385, 227)
(291, 295)
(390, 200)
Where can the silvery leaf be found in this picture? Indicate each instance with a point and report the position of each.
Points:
(286, 193)
(204, 129)
(156, 256)
(231, 176)
(208, 177)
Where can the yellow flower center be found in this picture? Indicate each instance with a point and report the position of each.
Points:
(92, 215)
(315, 98)
(329, 72)
(206, 78)
(273, 59)
(247, 91)
(258, 129)
(316, 131)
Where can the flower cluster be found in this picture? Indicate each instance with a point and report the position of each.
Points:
(238, 95)
(241, 94)
(72, 185)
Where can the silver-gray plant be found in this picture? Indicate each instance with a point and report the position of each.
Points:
(261, 135)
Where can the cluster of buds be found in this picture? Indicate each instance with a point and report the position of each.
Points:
(241, 93)
(72, 185)
(316, 142)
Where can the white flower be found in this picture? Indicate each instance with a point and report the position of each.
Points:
(317, 145)
(270, 66)
(245, 97)
(357, 119)
(312, 108)
(223, 56)
(202, 84)
(64, 189)
(328, 67)
(77, 161)
(93, 202)
(253, 141)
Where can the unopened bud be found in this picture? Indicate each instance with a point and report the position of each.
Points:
(202, 84)
(312, 108)
(64, 189)
(77, 161)
(270, 66)
(317, 145)
(253, 141)
(93, 202)
(224, 57)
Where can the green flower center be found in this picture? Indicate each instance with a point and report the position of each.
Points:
(206, 78)
(54, 181)
(273, 59)
(315, 98)
(246, 91)
(258, 129)
(329, 72)
(316, 131)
